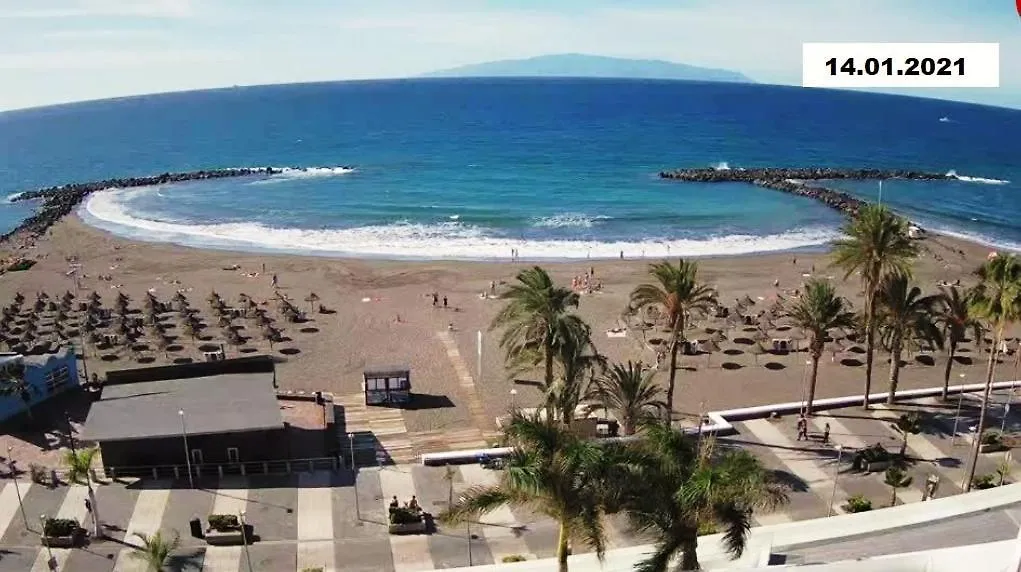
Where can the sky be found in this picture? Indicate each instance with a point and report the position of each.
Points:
(55, 51)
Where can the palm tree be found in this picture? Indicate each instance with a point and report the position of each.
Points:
(816, 312)
(552, 472)
(630, 393)
(997, 301)
(677, 293)
(576, 362)
(954, 315)
(903, 316)
(907, 424)
(682, 487)
(78, 463)
(156, 549)
(877, 243)
(896, 478)
(533, 319)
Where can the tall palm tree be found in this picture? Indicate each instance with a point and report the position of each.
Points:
(816, 312)
(677, 293)
(631, 394)
(997, 301)
(576, 362)
(552, 472)
(533, 319)
(681, 488)
(876, 244)
(904, 317)
(955, 317)
(156, 549)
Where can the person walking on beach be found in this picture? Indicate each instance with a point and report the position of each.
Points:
(802, 427)
(274, 280)
(444, 302)
(436, 299)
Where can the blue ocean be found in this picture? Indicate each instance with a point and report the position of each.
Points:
(554, 168)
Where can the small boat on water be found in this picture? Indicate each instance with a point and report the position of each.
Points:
(944, 119)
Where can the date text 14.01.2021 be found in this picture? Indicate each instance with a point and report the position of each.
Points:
(900, 65)
(910, 66)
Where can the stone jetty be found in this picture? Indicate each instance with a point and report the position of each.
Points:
(61, 200)
(793, 181)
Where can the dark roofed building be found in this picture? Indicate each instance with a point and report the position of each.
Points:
(226, 412)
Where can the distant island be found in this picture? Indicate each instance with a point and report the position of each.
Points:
(581, 65)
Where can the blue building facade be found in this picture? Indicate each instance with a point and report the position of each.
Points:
(45, 376)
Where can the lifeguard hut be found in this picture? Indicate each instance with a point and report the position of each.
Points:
(387, 386)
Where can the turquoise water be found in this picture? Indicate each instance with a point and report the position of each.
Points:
(475, 168)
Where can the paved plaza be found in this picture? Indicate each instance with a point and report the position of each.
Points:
(324, 519)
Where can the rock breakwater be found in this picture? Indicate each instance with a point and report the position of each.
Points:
(793, 181)
(60, 200)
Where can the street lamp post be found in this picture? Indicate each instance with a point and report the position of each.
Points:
(836, 477)
(91, 504)
(354, 473)
(17, 488)
(957, 416)
(187, 455)
(244, 539)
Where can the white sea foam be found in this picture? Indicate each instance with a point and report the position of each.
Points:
(10, 198)
(953, 175)
(568, 220)
(291, 173)
(453, 239)
(721, 166)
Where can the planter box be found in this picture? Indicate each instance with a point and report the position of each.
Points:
(227, 538)
(409, 528)
(991, 447)
(876, 466)
(61, 541)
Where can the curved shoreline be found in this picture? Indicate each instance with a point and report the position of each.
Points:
(60, 200)
(792, 181)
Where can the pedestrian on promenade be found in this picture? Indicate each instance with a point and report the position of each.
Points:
(802, 427)
(826, 434)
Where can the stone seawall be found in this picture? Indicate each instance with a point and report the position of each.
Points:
(61, 200)
(793, 181)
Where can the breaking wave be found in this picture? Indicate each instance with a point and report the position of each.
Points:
(291, 173)
(721, 166)
(953, 175)
(568, 221)
(447, 240)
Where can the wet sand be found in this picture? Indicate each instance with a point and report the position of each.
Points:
(384, 316)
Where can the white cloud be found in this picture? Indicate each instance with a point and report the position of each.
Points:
(12, 10)
(108, 59)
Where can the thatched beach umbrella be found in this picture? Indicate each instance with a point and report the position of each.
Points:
(19, 298)
(312, 298)
(271, 335)
(757, 349)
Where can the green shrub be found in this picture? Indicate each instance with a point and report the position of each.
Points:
(992, 437)
(404, 515)
(983, 482)
(224, 522)
(513, 558)
(706, 528)
(60, 527)
(858, 503)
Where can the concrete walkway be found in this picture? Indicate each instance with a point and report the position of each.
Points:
(410, 551)
(145, 519)
(500, 527)
(231, 498)
(315, 521)
(804, 464)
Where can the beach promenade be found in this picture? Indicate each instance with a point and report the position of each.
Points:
(337, 519)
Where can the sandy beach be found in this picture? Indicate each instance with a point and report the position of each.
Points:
(383, 315)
